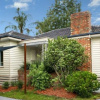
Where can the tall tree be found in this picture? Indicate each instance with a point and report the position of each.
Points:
(58, 15)
(21, 20)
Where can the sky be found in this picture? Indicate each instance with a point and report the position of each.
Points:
(37, 9)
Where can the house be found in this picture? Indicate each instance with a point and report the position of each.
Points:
(81, 30)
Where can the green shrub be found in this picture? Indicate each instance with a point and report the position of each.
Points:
(41, 81)
(40, 78)
(27, 66)
(13, 83)
(19, 84)
(48, 67)
(82, 83)
(37, 62)
(64, 56)
(5, 85)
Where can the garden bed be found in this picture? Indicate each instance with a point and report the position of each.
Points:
(58, 92)
(7, 90)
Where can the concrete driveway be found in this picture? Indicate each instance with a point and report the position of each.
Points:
(5, 98)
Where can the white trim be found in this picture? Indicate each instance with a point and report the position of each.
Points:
(35, 43)
(9, 38)
(32, 39)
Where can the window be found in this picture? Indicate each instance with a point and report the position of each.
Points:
(1, 58)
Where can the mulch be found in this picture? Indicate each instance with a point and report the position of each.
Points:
(7, 90)
(58, 92)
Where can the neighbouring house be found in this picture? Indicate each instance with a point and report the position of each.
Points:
(81, 30)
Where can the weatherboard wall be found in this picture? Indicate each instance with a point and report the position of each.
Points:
(5, 69)
(17, 58)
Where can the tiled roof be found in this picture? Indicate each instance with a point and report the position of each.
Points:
(63, 32)
(95, 28)
(15, 35)
(55, 33)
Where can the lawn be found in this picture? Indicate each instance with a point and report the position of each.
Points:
(32, 96)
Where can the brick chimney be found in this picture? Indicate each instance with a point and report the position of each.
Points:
(80, 23)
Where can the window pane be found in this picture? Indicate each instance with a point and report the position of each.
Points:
(1, 58)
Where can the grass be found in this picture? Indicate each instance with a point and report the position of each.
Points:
(18, 94)
(32, 96)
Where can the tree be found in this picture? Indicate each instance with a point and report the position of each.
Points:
(64, 56)
(58, 15)
(21, 20)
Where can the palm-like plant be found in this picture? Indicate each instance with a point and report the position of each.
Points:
(21, 21)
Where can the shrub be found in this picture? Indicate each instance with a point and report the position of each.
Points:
(27, 66)
(41, 81)
(19, 84)
(82, 83)
(13, 83)
(64, 56)
(5, 85)
(48, 67)
(40, 78)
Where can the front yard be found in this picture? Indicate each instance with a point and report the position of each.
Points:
(19, 94)
(63, 58)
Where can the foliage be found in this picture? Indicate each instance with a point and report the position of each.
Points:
(58, 15)
(13, 83)
(82, 83)
(5, 85)
(37, 63)
(21, 20)
(27, 66)
(48, 66)
(40, 78)
(19, 84)
(64, 55)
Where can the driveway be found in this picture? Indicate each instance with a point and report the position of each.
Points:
(5, 98)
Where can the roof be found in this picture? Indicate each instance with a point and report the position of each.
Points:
(95, 29)
(55, 33)
(64, 32)
(15, 35)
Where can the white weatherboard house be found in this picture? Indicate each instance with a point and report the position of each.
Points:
(81, 30)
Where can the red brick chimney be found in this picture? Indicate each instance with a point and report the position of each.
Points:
(80, 23)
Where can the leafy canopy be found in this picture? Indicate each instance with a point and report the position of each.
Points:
(64, 56)
(58, 15)
(21, 20)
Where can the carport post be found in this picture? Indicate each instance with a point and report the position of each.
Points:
(25, 68)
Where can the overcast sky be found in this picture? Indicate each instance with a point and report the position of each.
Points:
(38, 8)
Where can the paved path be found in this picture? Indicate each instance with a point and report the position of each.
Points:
(5, 98)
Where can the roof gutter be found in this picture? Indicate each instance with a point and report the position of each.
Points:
(94, 34)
